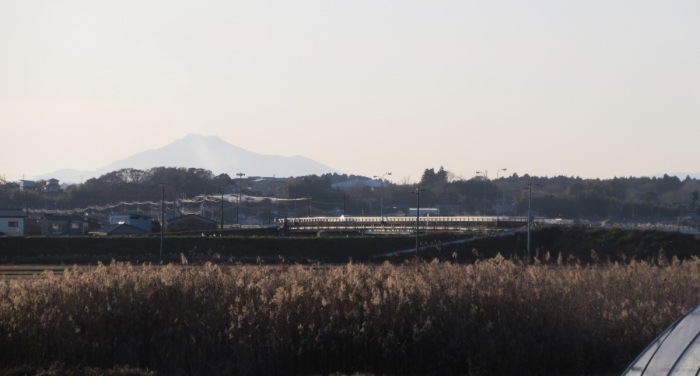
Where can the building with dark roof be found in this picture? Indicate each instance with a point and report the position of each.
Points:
(190, 222)
(63, 225)
(137, 220)
(119, 229)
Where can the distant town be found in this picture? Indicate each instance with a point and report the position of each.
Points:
(139, 201)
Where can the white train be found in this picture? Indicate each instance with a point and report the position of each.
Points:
(407, 224)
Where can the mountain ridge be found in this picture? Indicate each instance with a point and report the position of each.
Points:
(207, 152)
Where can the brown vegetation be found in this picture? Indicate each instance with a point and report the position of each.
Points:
(491, 317)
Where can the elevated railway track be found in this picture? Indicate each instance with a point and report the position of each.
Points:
(408, 225)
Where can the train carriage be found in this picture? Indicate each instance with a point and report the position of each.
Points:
(407, 224)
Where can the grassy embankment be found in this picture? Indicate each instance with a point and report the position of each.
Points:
(586, 245)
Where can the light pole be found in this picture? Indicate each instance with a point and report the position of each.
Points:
(381, 195)
(417, 192)
(240, 190)
(496, 184)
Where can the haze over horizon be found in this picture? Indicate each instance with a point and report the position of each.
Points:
(589, 89)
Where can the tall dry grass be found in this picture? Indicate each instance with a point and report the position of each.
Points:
(492, 317)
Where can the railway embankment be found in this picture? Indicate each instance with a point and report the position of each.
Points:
(550, 244)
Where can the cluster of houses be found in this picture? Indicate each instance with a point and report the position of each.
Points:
(48, 186)
(16, 222)
(13, 222)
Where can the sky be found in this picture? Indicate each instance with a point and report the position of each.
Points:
(594, 89)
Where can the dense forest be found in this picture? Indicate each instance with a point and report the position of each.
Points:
(657, 199)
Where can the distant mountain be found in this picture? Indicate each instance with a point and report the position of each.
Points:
(207, 152)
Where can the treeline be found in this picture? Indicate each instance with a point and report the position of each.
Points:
(630, 198)
(125, 185)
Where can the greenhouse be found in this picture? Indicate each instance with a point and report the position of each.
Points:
(675, 352)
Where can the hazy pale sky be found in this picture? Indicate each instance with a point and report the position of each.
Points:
(575, 88)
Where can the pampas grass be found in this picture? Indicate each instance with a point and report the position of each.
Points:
(491, 317)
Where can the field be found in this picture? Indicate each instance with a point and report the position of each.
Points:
(29, 271)
(490, 317)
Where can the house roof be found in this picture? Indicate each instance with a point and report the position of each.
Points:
(59, 217)
(131, 216)
(12, 213)
(119, 229)
(358, 183)
(273, 180)
(190, 216)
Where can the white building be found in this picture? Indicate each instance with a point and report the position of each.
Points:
(423, 212)
(12, 222)
(25, 185)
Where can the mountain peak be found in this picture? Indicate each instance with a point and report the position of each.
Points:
(214, 154)
(198, 137)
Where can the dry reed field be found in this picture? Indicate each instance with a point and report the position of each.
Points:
(494, 317)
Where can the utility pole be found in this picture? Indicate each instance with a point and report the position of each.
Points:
(381, 195)
(484, 175)
(240, 190)
(417, 193)
(496, 184)
(162, 219)
(529, 220)
(308, 197)
(529, 217)
(222, 209)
